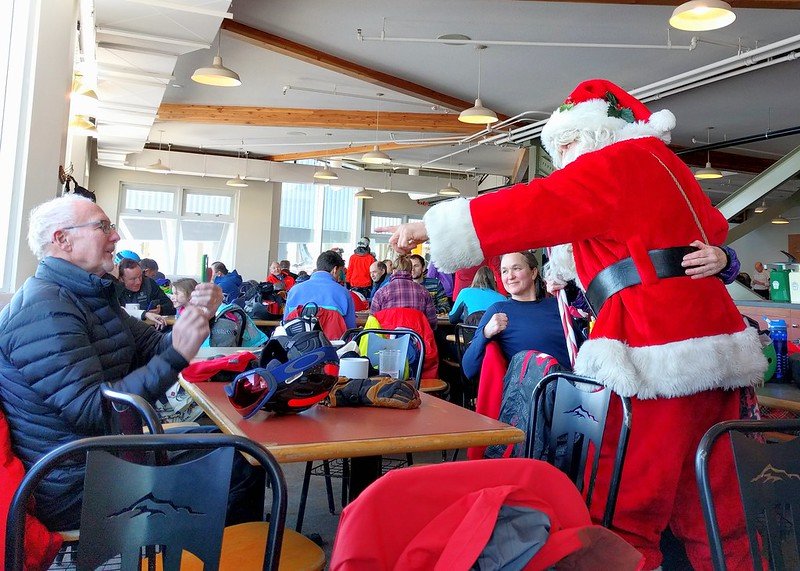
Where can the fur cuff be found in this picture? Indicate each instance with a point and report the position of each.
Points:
(454, 243)
(675, 369)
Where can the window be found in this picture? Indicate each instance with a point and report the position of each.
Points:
(379, 243)
(316, 218)
(176, 226)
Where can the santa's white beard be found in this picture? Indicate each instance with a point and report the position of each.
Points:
(585, 142)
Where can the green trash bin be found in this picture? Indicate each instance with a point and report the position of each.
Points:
(779, 285)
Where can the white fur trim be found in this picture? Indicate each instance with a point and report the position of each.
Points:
(592, 115)
(454, 243)
(674, 369)
(560, 266)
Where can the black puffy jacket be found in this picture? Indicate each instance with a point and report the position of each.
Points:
(62, 335)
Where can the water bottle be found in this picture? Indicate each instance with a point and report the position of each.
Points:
(777, 332)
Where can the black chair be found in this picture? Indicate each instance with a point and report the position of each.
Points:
(128, 506)
(340, 468)
(350, 333)
(464, 335)
(568, 414)
(769, 483)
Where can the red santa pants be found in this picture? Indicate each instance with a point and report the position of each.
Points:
(658, 487)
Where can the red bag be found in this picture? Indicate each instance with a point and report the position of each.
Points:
(223, 368)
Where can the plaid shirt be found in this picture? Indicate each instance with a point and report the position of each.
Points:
(402, 291)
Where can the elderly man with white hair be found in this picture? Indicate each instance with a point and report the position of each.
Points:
(630, 211)
(64, 335)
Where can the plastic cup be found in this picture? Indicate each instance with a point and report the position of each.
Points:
(389, 363)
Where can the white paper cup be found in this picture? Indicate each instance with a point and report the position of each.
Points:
(337, 342)
(132, 307)
(354, 367)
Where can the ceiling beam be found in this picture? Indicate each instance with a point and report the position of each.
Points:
(321, 118)
(330, 62)
(760, 4)
(346, 151)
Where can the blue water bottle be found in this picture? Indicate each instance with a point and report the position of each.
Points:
(777, 332)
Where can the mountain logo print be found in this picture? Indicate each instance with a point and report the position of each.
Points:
(770, 475)
(581, 412)
(150, 505)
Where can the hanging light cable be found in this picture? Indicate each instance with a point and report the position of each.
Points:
(217, 74)
(376, 156)
(707, 172)
(478, 114)
(158, 165)
(237, 181)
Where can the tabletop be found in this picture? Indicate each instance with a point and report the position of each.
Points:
(781, 396)
(323, 433)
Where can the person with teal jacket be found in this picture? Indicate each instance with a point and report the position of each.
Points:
(478, 297)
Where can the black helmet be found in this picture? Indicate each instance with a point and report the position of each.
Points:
(290, 378)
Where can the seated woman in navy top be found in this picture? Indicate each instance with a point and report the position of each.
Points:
(526, 321)
(478, 297)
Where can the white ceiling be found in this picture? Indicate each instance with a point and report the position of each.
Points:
(514, 79)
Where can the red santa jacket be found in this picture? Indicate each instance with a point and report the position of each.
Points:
(663, 338)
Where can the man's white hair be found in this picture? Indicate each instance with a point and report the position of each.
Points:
(48, 217)
(588, 140)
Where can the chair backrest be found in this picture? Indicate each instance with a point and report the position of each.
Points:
(567, 423)
(125, 412)
(769, 482)
(128, 506)
(464, 335)
(348, 335)
(414, 337)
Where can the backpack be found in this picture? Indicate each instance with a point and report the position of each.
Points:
(524, 372)
(248, 334)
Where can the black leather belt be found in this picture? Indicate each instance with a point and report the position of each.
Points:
(623, 274)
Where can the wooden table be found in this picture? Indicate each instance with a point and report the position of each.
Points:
(361, 433)
(780, 396)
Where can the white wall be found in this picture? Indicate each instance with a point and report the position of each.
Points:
(392, 202)
(256, 213)
(42, 132)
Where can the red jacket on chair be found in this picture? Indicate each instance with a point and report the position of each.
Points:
(41, 545)
(490, 389)
(442, 516)
(394, 317)
(331, 321)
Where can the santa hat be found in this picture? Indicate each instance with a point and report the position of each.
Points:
(598, 104)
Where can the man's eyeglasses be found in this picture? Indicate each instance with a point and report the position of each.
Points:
(104, 225)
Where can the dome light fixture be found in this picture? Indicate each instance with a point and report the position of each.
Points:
(364, 194)
(779, 220)
(702, 15)
(761, 207)
(707, 172)
(217, 74)
(450, 190)
(236, 181)
(325, 173)
(478, 114)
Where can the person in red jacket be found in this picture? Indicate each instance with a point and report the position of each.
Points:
(358, 268)
(279, 277)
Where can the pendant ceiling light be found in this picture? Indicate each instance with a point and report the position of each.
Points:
(478, 114)
(779, 220)
(376, 156)
(761, 207)
(702, 15)
(238, 181)
(217, 74)
(707, 172)
(450, 190)
(364, 194)
(158, 165)
(325, 173)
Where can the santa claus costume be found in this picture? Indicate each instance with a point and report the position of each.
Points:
(677, 346)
